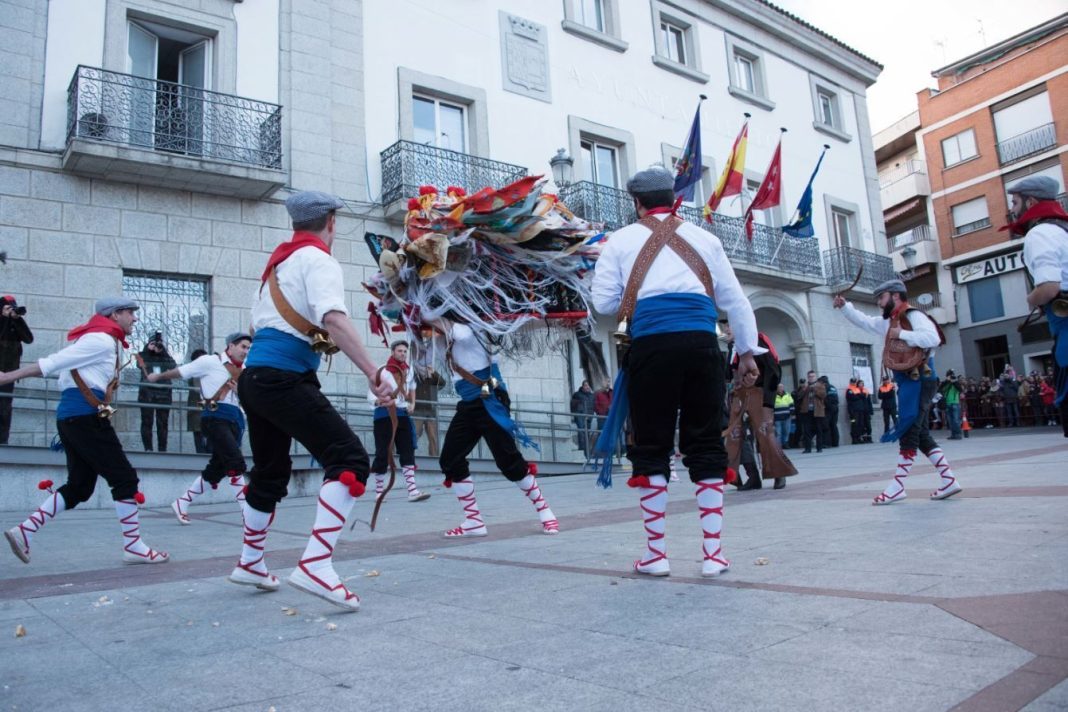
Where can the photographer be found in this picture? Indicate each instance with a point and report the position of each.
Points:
(14, 332)
(951, 391)
(154, 358)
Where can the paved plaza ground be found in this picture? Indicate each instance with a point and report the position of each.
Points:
(830, 603)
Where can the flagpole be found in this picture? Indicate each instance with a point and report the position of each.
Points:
(782, 239)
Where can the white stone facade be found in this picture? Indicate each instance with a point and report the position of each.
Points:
(344, 71)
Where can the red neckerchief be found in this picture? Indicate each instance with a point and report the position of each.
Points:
(99, 324)
(399, 369)
(283, 251)
(664, 210)
(901, 309)
(1038, 211)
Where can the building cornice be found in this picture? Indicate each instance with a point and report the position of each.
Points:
(997, 51)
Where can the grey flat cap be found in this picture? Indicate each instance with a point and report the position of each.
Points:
(1040, 187)
(891, 285)
(109, 305)
(651, 180)
(237, 336)
(311, 205)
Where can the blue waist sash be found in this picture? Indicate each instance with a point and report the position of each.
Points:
(666, 313)
(1058, 327)
(470, 392)
(662, 314)
(908, 401)
(277, 349)
(73, 404)
(383, 412)
(229, 413)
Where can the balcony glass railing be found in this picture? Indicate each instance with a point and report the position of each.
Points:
(841, 265)
(768, 248)
(175, 118)
(905, 170)
(1027, 144)
(406, 165)
(920, 233)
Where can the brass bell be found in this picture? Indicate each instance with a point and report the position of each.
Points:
(213, 406)
(622, 332)
(485, 392)
(322, 343)
(1059, 307)
(105, 411)
(493, 382)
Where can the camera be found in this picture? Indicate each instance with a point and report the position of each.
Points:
(21, 311)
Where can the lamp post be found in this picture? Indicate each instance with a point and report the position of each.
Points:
(563, 167)
(909, 256)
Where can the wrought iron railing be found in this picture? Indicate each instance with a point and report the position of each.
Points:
(406, 165)
(973, 226)
(841, 265)
(920, 233)
(768, 248)
(175, 118)
(1027, 144)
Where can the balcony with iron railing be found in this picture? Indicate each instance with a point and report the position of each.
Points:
(148, 131)
(1027, 144)
(841, 265)
(769, 258)
(406, 165)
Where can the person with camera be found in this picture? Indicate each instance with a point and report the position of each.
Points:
(14, 332)
(154, 359)
(222, 420)
(1038, 216)
(951, 391)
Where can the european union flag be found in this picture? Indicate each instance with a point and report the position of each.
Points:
(802, 227)
(688, 167)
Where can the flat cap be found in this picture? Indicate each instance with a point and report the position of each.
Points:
(311, 205)
(651, 180)
(109, 305)
(1040, 187)
(890, 285)
(237, 336)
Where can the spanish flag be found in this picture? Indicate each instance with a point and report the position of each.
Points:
(732, 178)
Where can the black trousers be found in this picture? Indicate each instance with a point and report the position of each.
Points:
(831, 421)
(402, 444)
(226, 458)
(918, 437)
(889, 415)
(6, 403)
(160, 415)
(282, 406)
(680, 376)
(811, 425)
(471, 423)
(93, 449)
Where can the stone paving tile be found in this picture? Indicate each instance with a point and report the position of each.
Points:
(1054, 700)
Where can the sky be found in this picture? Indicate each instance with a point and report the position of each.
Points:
(911, 38)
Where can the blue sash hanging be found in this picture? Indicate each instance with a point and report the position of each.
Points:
(908, 401)
(471, 392)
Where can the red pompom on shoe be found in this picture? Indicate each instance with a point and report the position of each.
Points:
(909, 453)
(730, 476)
(348, 478)
(139, 498)
(447, 483)
(214, 485)
(427, 190)
(532, 468)
(637, 481)
(45, 485)
(413, 204)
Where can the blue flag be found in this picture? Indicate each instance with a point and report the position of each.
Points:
(688, 167)
(802, 227)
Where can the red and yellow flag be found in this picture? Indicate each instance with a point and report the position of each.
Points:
(732, 178)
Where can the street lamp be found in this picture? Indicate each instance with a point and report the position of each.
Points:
(563, 167)
(909, 256)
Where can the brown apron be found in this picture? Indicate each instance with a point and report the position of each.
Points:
(749, 400)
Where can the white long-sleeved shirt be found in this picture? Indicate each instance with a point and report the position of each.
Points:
(468, 352)
(401, 400)
(94, 355)
(922, 334)
(312, 283)
(1046, 254)
(212, 373)
(669, 274)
